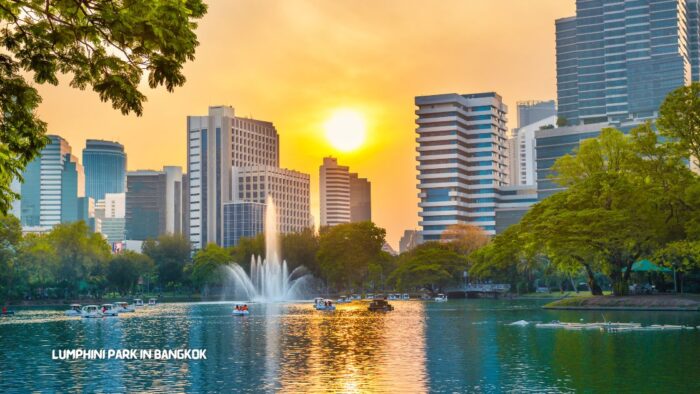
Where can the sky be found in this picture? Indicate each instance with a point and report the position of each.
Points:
(295, 62)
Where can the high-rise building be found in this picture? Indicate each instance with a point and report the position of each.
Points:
(618, 59)
(461, 160)
(209, 159)
(110, 217)
(145, 210)
(53, 185)
(521, 152)
(105, 168)
(153, 203)
(360, 199)
(185, 206)
(334, 182)
(533, 111)
(254, 143)
(242, 219)
(290, 192)
(345, 197)
(72, 188)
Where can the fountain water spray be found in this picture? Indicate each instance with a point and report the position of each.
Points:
(269, 279)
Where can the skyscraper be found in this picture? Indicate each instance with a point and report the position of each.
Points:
(105, 168)
(145, 204)
(242, 219)
(53, 185)
(461, 160)
(209, 161)
(360, 199)
(617, 59)
(521, 152)
(533, 111)
(254, 143)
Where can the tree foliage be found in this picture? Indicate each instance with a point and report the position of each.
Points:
(105, 45)
(125, 269)
(170, 253)
(207, 263)
(346, 252)
(431, 265)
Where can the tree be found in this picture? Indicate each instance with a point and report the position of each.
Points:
(300, 248)
(465, 237)
(125, 269)
(81, 255)
(432, 265)
(10, 237)
(207, 262)
(679, 120)
(105, 45)
(38, 262)
(562, 121)
(247, 248)
(170, 253)
(682, 256)
(347, 250)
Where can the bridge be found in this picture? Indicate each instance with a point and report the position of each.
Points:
(474, 290)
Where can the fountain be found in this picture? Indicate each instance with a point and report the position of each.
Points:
(269, 279)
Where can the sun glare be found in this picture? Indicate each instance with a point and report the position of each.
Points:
(345, 130)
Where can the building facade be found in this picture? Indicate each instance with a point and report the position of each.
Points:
(618, 59)
(209, 159)
(360, 199)
(409, 240)
(145, 209)
(254, 143)
(533, 111)
(334, 184)
(521, 152)
(110, 217)
(290, 191)
(105, 168)
(242, 219)
(462, 160)
(54, 184)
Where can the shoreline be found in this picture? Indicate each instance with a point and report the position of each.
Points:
(668, 302)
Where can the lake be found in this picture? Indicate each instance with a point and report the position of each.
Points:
(457, 346)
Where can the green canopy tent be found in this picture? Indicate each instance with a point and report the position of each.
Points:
(648, 266)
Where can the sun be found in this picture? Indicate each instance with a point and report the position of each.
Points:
(345, 130)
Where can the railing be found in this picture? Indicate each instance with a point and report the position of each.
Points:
(484, 288)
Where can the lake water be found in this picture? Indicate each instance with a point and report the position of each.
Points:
(458, 346)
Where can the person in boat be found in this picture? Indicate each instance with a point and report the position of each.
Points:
(4, 310)
(238, 309)
(104, 309)
(245, 307)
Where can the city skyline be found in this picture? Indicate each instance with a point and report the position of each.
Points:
(305, 62)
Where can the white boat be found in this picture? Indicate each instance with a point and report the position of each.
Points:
(405, 297)
(369, 296)
(74, 310)
(441, 298)
(343, 300)
(239, 310)
(91, 311)
(355, 297)
(321, 304)
(393, 297)
(151, 302)
(109, 310)
(138, 302)
(124, 307)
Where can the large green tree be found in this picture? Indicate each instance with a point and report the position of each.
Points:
(125, 269)
(170, 253)
(105, 45)
(300, 248)
(10, 237)
(346, 252)
(431, 265)
(207, 264)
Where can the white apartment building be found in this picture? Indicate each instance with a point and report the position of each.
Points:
(254, 143)
(290, 190)
(209, 168)
(334, 182)
(521, 152)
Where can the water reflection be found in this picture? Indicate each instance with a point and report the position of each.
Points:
(458, 346)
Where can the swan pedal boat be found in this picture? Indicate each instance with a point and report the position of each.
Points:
(323, 305)
(74, 310)
(91, 311)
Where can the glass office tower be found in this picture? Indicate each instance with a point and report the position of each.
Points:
(105, 168)
(618, 59)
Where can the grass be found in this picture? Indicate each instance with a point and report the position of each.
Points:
(636, 302)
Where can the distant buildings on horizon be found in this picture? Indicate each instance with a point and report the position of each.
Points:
(344, 196)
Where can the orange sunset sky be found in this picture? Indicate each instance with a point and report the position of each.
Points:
(294, 62)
